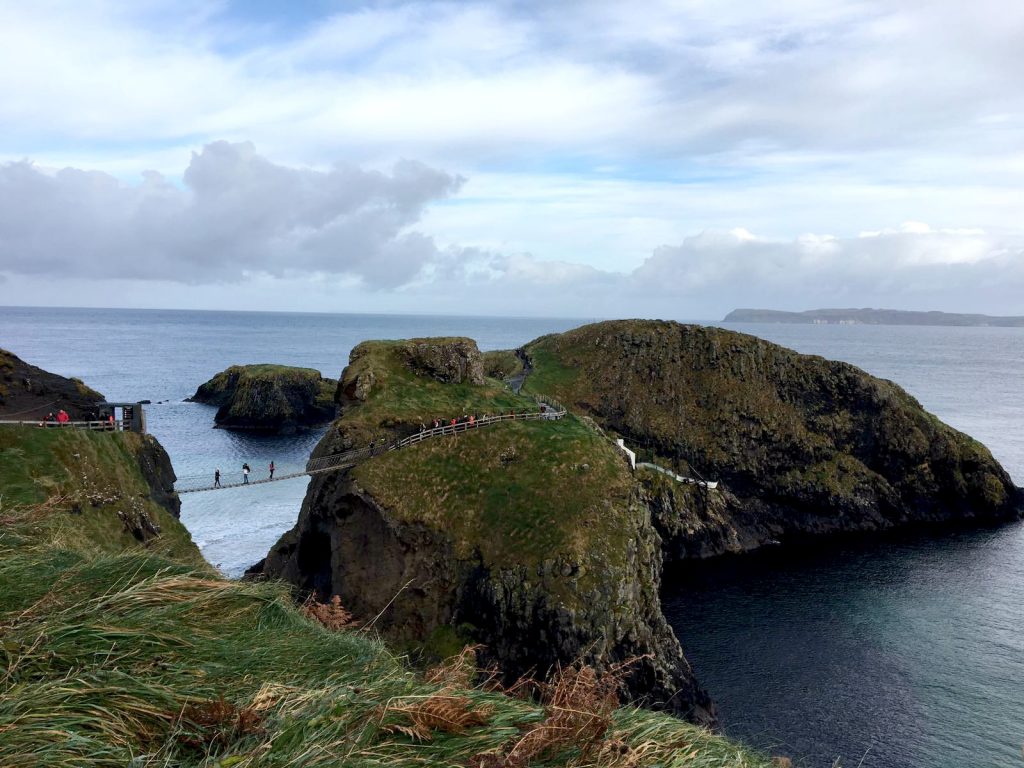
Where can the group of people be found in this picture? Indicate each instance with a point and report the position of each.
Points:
(438, 423)
(60, 419)
(246, 469)
(468, 419)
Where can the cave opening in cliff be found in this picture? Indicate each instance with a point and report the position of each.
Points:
(315, 562)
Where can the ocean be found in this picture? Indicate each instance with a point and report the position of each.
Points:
(895, 652)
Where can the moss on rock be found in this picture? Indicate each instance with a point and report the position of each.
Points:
(273, 398)
(803, 444)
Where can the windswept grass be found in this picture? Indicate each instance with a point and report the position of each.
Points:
(124, 654)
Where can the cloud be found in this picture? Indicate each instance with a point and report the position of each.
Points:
(236, 214)
(911, 266)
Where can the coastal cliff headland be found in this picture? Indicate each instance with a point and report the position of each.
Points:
(269, 398)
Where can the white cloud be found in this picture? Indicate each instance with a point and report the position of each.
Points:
(591, 133)
(238, 214)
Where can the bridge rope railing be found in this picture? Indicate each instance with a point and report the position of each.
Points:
(350, 458)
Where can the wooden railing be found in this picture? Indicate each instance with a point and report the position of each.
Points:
(96, 426)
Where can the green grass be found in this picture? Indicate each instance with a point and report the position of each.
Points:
(519, 492)
(112, 652)
(550, 374)
(92, 481)
(502, 363)
(400, 398)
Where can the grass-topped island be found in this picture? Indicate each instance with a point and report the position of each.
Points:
(526, 537)
(269, 398)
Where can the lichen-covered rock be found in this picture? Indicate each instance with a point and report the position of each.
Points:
(273, 398)
(803, 445)
(30, 393)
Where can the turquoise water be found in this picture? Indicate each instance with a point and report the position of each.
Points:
(898, 653)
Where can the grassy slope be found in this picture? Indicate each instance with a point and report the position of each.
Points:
(106, 643)
(561, 496)
(519, 492)
(502, 363)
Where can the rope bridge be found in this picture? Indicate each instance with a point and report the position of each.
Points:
(347, 459)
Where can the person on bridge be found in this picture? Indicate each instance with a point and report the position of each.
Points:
(216, 478)
(245, 474)
(271, 470)
(62, 417)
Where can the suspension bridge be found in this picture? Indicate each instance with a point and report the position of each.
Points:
(348, 459)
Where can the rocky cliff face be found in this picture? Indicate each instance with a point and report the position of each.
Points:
(270, 398)
(30, 393)
(528, 537)
(803, 445)
(156, 468)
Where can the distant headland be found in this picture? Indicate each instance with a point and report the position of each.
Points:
(869, 317)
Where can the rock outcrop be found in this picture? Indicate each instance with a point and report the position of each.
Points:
(29, 393)
(530, 538)
(271, 398)
(803, 445)
(452, 361)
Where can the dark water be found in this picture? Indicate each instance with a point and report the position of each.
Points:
(887, 654)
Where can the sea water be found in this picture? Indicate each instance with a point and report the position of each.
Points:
(883, 653)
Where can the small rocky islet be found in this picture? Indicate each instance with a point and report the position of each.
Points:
(277, 399)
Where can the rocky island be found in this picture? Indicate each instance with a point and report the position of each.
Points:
(529, 537)
(538, 541)
(269, 398)
(802, 445)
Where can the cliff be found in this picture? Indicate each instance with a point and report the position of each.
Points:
(29, 393)
(528, 537)
(803, 445)
(272, 398)
(868, 316)
(121, 646)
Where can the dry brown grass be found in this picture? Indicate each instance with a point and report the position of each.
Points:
(420, 716)
(331, 614)
(578, 708)
(215, 723)
(447, 710)
(459, 671)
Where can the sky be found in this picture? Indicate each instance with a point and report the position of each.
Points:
(577, 159)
